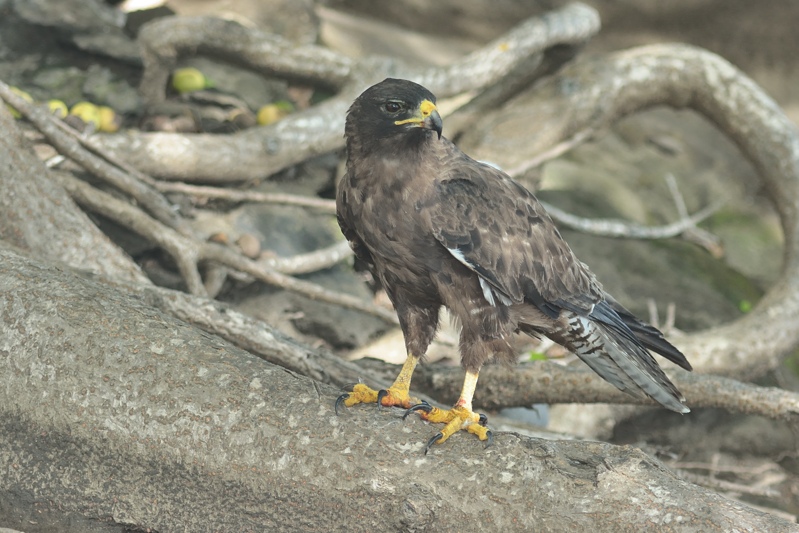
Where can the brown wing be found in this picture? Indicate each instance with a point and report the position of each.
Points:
(343, 216)
(500, 230)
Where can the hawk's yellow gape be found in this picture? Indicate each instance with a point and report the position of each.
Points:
(425, 109)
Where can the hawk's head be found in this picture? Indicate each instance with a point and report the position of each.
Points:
(391, 110)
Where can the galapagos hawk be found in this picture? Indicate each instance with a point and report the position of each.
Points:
(438, 228)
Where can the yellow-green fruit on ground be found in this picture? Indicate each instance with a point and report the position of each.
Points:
(273, 112)
(87, 112)
(109, 120)
(187, 80)
(58, 108)
(24, 95)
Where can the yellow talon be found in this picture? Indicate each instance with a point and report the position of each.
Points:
(460, 417)
(482, 432)
(392, 397)
(396, 395)
(456, 419)
(361, 394)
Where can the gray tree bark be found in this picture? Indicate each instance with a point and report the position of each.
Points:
(38, 216)
(145, 420)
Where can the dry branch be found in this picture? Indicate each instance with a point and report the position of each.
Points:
(591, 94)
(176, 237)
(174, 425)
(236, 195)
(609, 227)
(141, 191)
(165, 40)
(500, 387)
(546, 382)
(38, 216)
(188, 252)
(262, 151)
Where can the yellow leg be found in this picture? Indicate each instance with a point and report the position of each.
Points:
(459, 417)
(398, 394)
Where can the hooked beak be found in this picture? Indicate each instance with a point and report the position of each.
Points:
(426, 117)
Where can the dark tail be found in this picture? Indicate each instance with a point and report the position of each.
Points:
(650, 336)
(619, 354)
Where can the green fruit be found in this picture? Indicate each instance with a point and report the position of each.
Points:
(87, 112)
(57, 108)
(109, 120)
(189, 79)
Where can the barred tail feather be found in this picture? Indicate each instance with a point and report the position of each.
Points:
(650, 336)
(639, 365)
(619, 357)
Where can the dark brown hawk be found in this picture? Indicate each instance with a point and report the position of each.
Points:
(439, 228)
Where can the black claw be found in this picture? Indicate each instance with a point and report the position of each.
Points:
(490, 436)
(432, 441)
(382, 393)
(424, 406)
(340, 400)
(483, 420)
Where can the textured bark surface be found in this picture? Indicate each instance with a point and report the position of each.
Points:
(142, 419)
(37, 215)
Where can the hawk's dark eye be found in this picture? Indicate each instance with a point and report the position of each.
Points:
(392, 107)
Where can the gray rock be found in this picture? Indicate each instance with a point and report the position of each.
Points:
(91, 25)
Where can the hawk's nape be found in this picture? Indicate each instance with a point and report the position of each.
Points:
(439, 228)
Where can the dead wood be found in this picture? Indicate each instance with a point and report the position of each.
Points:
(113, 409)
(594, 93)
(500, 387)
(38, 216)
(149, 422)
(262, 151)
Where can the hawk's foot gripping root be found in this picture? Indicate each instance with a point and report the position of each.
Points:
(455, 419)
(393, 396)
(396, 395)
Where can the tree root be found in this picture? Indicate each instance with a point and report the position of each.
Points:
(262, 151)
(596, 92)
(170, 421)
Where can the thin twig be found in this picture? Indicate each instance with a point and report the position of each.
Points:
(693, 234)
(310, 262)
(142, 192)
(715, 468)
(234, 195)
(294, 265)
(551, 153)
(609, 227)
(182, 249)
(187, 252)
(676, 195)
(603, 227)
(730, 486)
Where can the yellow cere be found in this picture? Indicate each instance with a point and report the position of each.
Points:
(425, 108)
